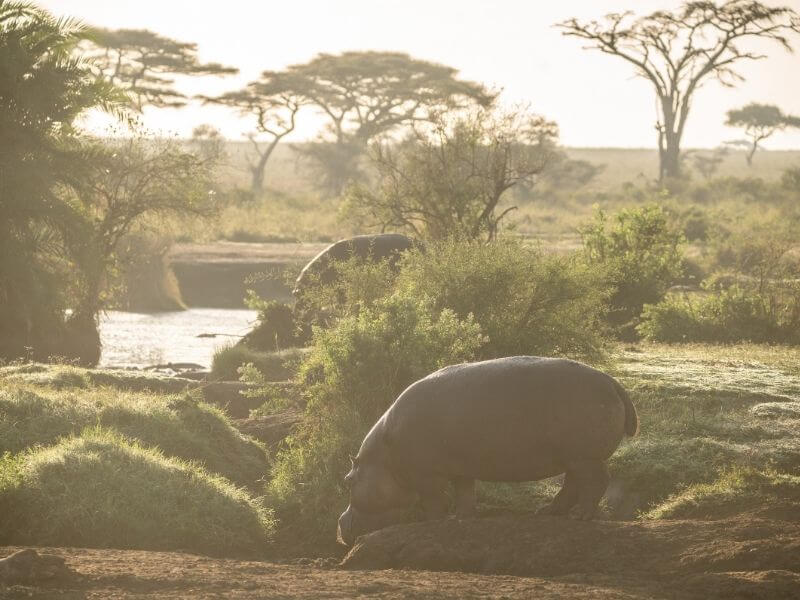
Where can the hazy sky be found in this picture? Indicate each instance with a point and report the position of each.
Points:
(508, 44)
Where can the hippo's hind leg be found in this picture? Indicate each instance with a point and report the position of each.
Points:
(565, 499)
(465, 497)
(592, 481)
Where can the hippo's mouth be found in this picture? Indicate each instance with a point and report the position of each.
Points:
(354, 523)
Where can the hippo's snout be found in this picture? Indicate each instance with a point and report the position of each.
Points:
(344, 532)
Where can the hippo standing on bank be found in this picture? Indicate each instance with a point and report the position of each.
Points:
(321, 270)
(521, 418)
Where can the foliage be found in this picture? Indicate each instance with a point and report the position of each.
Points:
(356, 369)
(526, 302)
(678, 51)
(126, 180)
(641, 253)
(279, 365)
(274, 101)
(275, 329)
(366, 94)
(43, 91)
(760, 121)
(449, 180)
(179, 426)
(144, 64)
(103, 490)
(736, 314)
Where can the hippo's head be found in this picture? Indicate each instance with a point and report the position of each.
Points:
(377, 500)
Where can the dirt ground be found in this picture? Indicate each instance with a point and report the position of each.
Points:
(522, 556)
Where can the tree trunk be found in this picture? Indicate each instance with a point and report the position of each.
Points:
(669, 141)
(749, 155)
(257, 170)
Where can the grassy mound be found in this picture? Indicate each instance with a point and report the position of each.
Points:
(102, 490)
(734, 491)
(177, 425)
(278, 365)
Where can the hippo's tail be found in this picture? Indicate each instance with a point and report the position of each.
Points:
(631, 418)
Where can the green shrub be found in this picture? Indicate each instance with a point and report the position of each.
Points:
(177, 425)
(641, 253)
(527, 302)
(102, 490)
(735, 314)
(275, 366)
(275, 329)
(357, 369)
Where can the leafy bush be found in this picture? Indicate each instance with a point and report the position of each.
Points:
(275, 366)
(357, 369)
(102, 490)
(527, 302)
(276, 328)
(178, 426)
(735, 314)
(641, 253)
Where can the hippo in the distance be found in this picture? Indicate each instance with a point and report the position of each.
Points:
(321, 270)
(521, 418)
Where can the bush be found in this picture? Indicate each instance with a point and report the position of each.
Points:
(526, 302)
(275, 366)
(102, 490)
(357, 369)
(180, 427)
(736, 314)
(276, 328)
(641, 253)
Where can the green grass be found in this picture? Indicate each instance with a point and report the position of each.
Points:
(100, 489)
(734, 491)
(33, 413)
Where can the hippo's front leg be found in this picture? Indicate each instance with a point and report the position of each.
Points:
(433, 496)
(465, 497)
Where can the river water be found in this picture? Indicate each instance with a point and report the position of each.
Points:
(146, 339)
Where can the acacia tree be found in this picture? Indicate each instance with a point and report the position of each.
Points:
(449, 179)
(759, 121)
(144, 63)
(679, 51)
(273, 101)
(366, 94)
(124, 180)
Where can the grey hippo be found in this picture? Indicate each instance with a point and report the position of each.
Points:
(521, 418)
(321, 270)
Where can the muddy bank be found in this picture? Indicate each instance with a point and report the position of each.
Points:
(541, 546)
(494, 557)
(219, 274)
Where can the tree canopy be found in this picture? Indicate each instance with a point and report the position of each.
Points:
(759, 122)
(679, 51)
(145, 63)
(449, 179)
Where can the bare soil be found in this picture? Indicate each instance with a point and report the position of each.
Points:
(517, 556)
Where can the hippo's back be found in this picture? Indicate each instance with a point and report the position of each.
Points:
(516, 418)
(375, 247)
